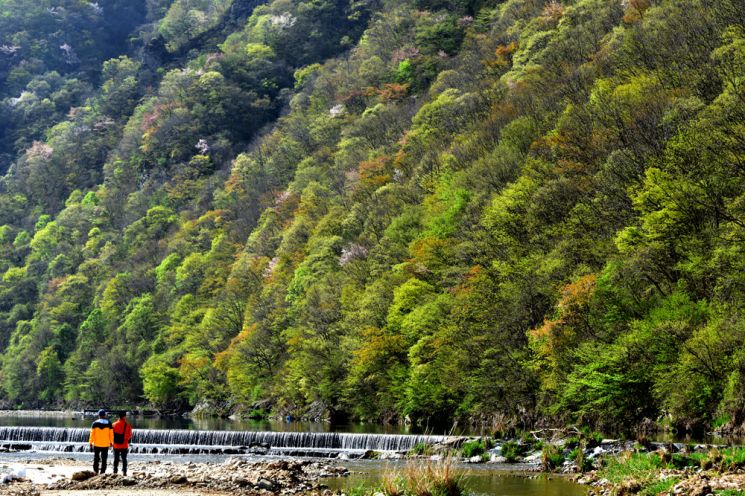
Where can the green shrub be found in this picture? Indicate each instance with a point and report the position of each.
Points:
(733, 458)
(527, 437)
(594, 439)
(720, 421)
(472, 448)
(697, 457)
(511, 451)
(258, 414)
(551, 457)
(679, 460)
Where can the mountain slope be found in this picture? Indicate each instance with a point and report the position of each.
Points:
(503, 212)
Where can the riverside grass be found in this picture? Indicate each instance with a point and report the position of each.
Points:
(642, 467)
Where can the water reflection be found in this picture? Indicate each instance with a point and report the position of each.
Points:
(212, 424)
(480, 480)
(513, 485)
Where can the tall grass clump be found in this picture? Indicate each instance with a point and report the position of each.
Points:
(425, 478)
(551, 457)
(421, 449)
(392, 483)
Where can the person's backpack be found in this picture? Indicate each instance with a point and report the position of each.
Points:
(119, 437)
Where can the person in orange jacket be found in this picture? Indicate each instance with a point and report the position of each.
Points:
(122, 435)
(101, 439)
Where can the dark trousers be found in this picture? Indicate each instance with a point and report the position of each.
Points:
(100, 455)
(120, 453)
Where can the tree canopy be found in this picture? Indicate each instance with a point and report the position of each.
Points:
(499, 212)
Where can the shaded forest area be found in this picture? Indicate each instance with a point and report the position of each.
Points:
(497, 212)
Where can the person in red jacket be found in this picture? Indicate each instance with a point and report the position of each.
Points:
(122, 435)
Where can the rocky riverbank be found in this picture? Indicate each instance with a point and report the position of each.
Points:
(685, 483)
(693, 470)
(235, 476)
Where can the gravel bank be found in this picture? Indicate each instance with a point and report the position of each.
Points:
(235, 476)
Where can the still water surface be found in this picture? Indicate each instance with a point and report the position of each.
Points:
(479, 480)
(214, 424)
(218, 424)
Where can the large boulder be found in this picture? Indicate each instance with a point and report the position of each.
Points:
(208, 408)
(178, 479)
(83, 475)
(266, 484)
(128, 481)
(318, 411)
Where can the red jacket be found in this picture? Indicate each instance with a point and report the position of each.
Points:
(121, 426)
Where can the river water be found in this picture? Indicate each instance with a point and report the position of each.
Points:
(478, 479)
(185, 440)
(219, 424)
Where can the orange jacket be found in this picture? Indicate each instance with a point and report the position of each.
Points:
(121, 426)
(102, 436)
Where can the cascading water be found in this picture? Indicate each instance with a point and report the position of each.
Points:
(217, 442)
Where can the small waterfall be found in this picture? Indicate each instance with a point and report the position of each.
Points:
(217, 442)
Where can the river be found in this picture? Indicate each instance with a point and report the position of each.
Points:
(479, 480)
(183, 440)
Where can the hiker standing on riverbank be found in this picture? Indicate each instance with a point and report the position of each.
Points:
(122, 435)
(101, 439)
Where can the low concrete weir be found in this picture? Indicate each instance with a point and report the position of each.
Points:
(317, 444)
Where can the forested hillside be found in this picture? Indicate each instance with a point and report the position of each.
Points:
(498, 212)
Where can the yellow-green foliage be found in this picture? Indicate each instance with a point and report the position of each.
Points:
(441, 210)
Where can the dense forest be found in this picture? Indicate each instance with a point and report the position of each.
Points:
(501, 213)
